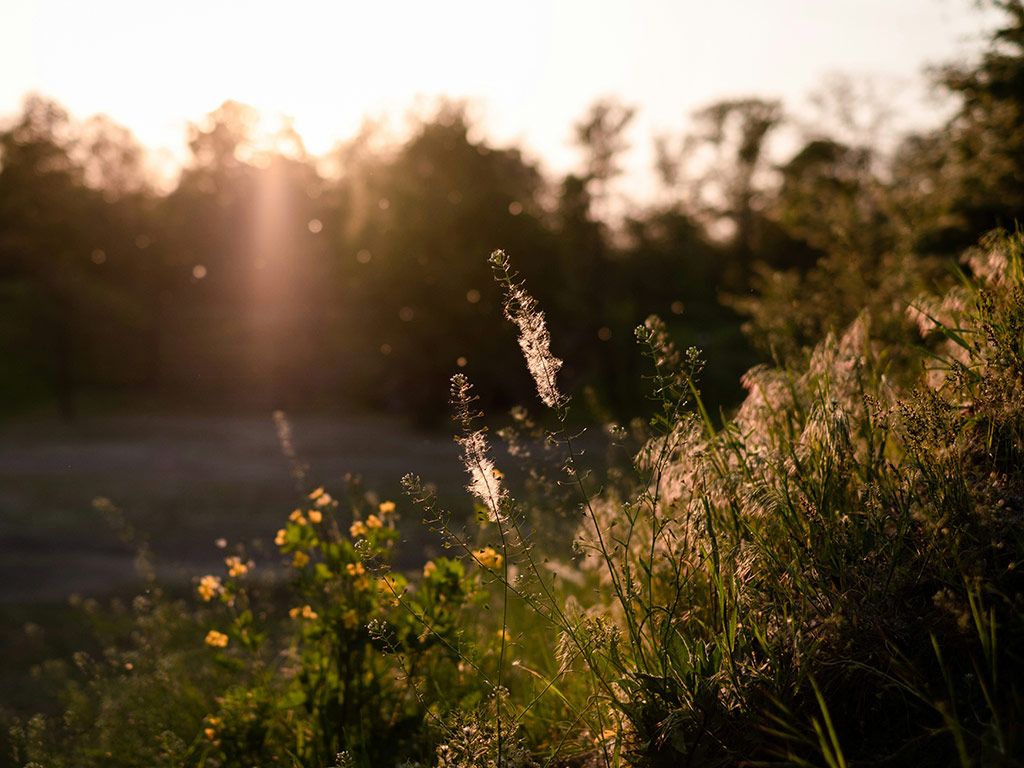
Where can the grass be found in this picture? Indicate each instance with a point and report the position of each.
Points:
(830, 577)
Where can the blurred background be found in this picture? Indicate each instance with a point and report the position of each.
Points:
(213, 211)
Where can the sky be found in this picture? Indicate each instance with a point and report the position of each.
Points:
(530, 69)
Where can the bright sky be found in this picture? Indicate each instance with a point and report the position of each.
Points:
(531, 67)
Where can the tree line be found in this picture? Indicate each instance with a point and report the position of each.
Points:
(271, 278)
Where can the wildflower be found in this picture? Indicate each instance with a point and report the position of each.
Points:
(297, 517)
(350, 618)
(357, 529)
(235, 566)
(209, 587)
(210, 733)
(305, 612)
(373, 522)
(323, 500)
(216, 639)
(280, 538)
(355, 569)
(300, 559)
(488, 558)
(386, 507)
(428, 568)
(315, 515)
(317, 493)
(390, 586)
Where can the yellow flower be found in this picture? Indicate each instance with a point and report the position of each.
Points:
(315, 515)
(235, 566)
(355, 569)
(390, 587)
(209, 587)
(279, 539)
(362, 583)
(428, 568)
(488, 558)
(497, 474)
(350, 618)
(386, 507)
(216, 639)
(301, 558)
(317, 493)
(305, 612)
(210, 733)
(323, 500)
(297, 517)
(357, 529)
(373, 522)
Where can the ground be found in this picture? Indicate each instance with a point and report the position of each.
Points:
(182, 482)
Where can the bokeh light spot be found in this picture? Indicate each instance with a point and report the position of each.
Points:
(515, 207)
(198, 272)
(473, 296)
(315, 226)
(363, 257)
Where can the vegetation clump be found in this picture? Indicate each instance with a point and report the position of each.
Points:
(830, 577)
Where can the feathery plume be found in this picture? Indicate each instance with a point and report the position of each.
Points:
(534, 339)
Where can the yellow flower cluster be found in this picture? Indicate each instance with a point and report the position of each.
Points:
(428, 568)
(211, 729)
(297, 517)
(350, 618)
(305, 612)
(373, 522)
(488, 558)
(386, 508)
(320, 498)
(357, 529)
(300, 559)
(280, 538)
(315, 515)
(235, 566)
(355, 569)
(209, 587)
(216, 639)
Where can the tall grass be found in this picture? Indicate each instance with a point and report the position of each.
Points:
(829, 577)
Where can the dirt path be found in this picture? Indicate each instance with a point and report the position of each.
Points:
(182, 482)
